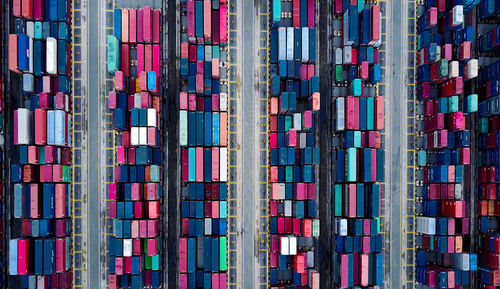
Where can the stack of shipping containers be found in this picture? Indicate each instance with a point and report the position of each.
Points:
(134, 56)
(294, 102)
(3, 63)
(358, 154)
(446, 77)
(40, 170)
(488, 143)
(203, 143)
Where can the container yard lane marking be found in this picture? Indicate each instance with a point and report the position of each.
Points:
(78, 138)
(411, 144)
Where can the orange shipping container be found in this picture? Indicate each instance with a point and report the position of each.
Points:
(27, 9)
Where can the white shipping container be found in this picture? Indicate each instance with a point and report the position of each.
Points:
(127, 247)
(345, 30)
(30, 54)
(284, 246)
(458, 192)
(288, 208)
(436, 137)
(183, 136)
(340, 114)
(60, 127)
(223, 101)
(23, 126)
(282, 191)
(341, 227)
(471, 69)
(297, 121)
(40, 282)
(305, 44)
(143, 135)
(426, 225)
(438, 53)
(457, 17)
(338, 56)
(32, 281)
(313, 278)
(453, 69)
(51, 56)
(293, 245)
(208, 226)
(134, 136)
(421, 56)
(302, 140)
(152, 117)
(461, 261)
(137, 100)
(28, 82)
(223, 164)
(282, 43)
(13, 257)
(289, 43)
(310, 259)
(30, 29)
(347, 55)
(208, 54)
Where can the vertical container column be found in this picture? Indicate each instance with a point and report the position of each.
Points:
(488, 144)
(135, 249)
(445, 87)
(3, 208)
(358, 152)
(203, 145)
(294, 102)
(40, 171)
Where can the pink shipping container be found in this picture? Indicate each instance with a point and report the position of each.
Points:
(223, 129)
(112, 281)
(140, 57)
(199, 164)
(223, 24)
(183, 100)
(310, 13)
(307, 227)
(296, 226)
(16, 8)
(60, 200)
(215, 164)
(156, 59)
(351, 193)
(182, 255)
(60, 255)
(185, 165)
(33, 155)
(375, 25)
(215, 280)
(112, 210)
(47, 84)
(34, 206)
(148, 57)
(296, 13)
(23, 256)
(156, 26)
(274, 174)
(183, 281)
(307, 120)
(344, 270)
(215, 68)
(147, 20)
(119, 81)
(191, 21)
(379, 112)
(125, 25)
(40, 127)
(207, 20)
(132, 26)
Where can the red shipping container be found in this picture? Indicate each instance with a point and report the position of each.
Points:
(296, 13)
(13, 50)
(138, 210)
(132, 26)
(140, 57)
(125, 58)
(152, 247)
(27, 9)
(148, 57)
(60, 201)
(60, 255)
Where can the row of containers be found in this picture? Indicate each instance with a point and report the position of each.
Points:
(452, 79)
(2, 152)
(488, 143)
(358, 153)
(40, 191)
(203, 124)
(135, 247)
(294, 155)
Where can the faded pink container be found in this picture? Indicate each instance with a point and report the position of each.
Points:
(140, 57)
(147, 21)
(143, 228)
(131, 156)
(132, 26)
(33, 155)
(148, 57)
(112, 210)
(151, 189)
(363, 70)
(183, 100)
(152, 247)
(199, 83)
(135, 191)
(47, 84)
(273, 259)
(184, 50)
(446, 51)
(274, 105)
(134, 231)
(292, 138)
(215, 164)
(119, 266)
(215, 102)
(60, 201)
(379, 112)
(136, 247)
(215, 68)
(303, 72)
(310, 71)
(152, 132)
(119, 81)
(156, 59)
(301, 191)
(112, 99)
(366, 226)
(152, 228)
(350, 112)
(222, 281)
(311, 191)
(273, 208)
(365, 244)
(143, 80)
(112, 281)
(307, 120)
(273, 174)
(310, 13)
(34, 206)
(465, 156)
(215, 209)
(156, 26)
(192, 102)
(351, 189)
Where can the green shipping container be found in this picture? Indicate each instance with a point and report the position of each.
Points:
(276, 11)
(356, 87)
(192, 164)
(422, 158)
(471, 103)
(65, 174)
(223, 254)
(483, 125)
(351, 165)
(443, 67)
(288, 174)
(288, 123)
(338, 73)
(337, 198)
(183, 137)
(315, 229)
(370, 113)
(113, 54)
(357, 139)
(155, 262)
(453, 103)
